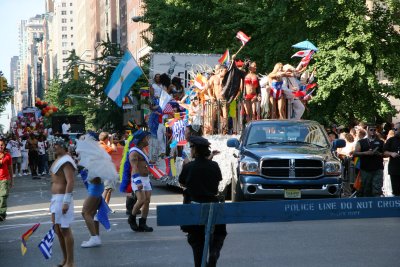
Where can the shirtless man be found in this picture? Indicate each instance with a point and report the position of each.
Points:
(215, 93)
(140, 181)
(210, 104)
(62, 205)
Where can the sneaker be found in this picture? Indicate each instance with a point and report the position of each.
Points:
(94, 241)
(14, 175)
(19, 174)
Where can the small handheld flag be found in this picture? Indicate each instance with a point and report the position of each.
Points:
(242, 37)
(124, 76)
(224, 60)
(157, 172)
(46, 245)
(301, 53)
(26, 236)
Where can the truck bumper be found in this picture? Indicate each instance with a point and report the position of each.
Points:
(254, 187)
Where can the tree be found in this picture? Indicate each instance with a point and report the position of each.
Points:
(354, 44)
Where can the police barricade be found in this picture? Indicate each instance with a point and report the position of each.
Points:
(209, 214)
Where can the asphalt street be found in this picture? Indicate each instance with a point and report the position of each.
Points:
(365, 242)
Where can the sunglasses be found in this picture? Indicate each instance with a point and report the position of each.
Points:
(372, 130)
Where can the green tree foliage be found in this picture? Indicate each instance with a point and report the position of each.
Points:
(355, 44)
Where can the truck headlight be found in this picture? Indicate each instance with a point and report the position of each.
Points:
(248, 166)
(333, 168)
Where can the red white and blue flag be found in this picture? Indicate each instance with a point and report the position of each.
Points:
(306, 60)
(168, 109)
(301, 53)
(276, 90)
(242, 37)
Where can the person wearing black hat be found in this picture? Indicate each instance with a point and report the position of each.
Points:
(140, 181)
(201, 178)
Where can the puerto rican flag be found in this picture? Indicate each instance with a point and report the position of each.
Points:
(301, 53)
(276, 91)
(242, 37)
(156, 172)
(306, 60)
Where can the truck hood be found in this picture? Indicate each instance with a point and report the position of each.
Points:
(288, 151)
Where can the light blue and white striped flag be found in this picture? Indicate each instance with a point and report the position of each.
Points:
(124, 76)
(46, 244)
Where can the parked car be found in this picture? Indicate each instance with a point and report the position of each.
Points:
(285, 159)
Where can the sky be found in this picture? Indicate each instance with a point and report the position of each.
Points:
(12, 12)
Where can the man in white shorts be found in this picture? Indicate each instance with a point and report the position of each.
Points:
(62, 205)
(140, 181)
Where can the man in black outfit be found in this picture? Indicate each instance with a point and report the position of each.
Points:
(392, 150)
(370, 151)
(201, 178)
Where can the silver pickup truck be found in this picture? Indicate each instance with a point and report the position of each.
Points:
(285, 159)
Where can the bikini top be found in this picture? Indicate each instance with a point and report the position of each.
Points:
(252, 81)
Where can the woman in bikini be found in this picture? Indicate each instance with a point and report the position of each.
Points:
(277, 100)
(252, 93)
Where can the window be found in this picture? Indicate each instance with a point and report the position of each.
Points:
(64, 12)
(70, 4)
(63, 20)
(64, 28)
(72, 36)
(65, 52)
(72, 28)
(71, 20)
(64, 44)
(64, 68)
(72, 44)
(64, 36)
(64, 4)
(70, 12)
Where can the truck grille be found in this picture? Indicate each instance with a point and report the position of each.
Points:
(292, 168)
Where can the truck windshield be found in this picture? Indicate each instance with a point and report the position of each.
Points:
(286, 133)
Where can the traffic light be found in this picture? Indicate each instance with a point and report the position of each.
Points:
(3, 84)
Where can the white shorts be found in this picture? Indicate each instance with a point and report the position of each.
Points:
(145, 182)
(64, 220)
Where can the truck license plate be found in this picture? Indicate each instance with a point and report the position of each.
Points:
(292, 193)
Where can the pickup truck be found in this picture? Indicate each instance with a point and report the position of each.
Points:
(285, 159)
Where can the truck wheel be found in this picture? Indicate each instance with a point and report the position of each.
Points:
(237, 193)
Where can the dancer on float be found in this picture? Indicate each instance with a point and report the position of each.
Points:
(252, 96)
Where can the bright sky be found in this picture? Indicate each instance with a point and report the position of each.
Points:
(12, 12)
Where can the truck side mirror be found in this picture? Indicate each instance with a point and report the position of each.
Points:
(233, 142)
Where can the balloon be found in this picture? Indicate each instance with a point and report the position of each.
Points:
(47, 114)
(55, 109)
(50, 111)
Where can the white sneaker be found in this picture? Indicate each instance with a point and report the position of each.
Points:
(94, 241)
(14, 175)
(19, 174)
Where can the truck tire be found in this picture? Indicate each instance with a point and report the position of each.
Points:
(237, 193)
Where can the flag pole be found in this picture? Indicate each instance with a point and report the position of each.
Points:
(234, 55)
(140, 67)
